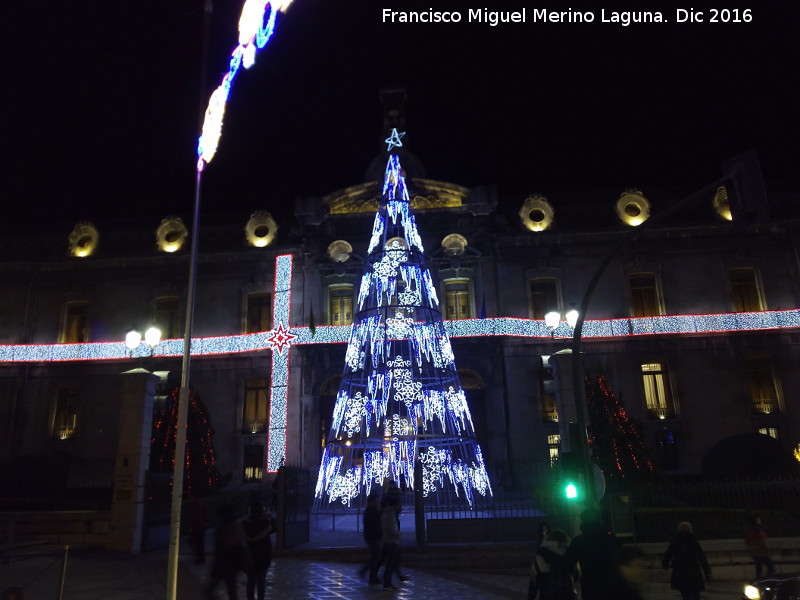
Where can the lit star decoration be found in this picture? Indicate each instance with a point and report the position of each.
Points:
(256, 25)
(393, 141)
(281, 339)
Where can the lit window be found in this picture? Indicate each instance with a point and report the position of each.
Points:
(554, 446)
(259, 313)
(645, 300)
(457, 299)
(167, 317)
(75, 328)
(549, 407)
(253, 456)
(770, 431)
(544, 297)
(657, 391)
(666, 450)
(746, 294)
(762, 387)
(340, 304)
(65, 415)
(256, 404)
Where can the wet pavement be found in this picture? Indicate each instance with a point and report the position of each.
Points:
(99, 576)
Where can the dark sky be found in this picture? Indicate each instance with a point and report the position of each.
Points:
(101, 102)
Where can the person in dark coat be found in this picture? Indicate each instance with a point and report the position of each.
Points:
(258, 527)
(372, 535)
(541, 535)
(629, 574)
(690, 567)
(391, 540)
(197, 527)
(229, 553)
(593, 549)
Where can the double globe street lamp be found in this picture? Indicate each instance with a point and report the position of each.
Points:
(553, 319)
(152, 337)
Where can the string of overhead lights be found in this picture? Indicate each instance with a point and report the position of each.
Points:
(256, 27)
(488, 327)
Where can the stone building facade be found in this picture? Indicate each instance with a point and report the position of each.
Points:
(695, 321)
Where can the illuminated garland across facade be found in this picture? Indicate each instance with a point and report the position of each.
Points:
(489, 327)
(282, 337)
(255, 30)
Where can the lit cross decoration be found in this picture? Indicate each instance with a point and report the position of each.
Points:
(282, 338)
(393, 141)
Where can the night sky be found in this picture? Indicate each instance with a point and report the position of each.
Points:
(102, 102)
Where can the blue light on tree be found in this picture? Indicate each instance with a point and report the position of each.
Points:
(400, 401)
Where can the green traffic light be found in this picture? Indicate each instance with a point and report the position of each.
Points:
(571, 491)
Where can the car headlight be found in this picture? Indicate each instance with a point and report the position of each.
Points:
(751, 591)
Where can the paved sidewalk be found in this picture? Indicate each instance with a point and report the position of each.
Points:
(102, 576)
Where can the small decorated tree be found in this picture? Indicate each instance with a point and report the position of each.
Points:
(200, 473)
(614, 437)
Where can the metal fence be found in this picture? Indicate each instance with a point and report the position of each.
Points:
(38, 482)
(716, 509)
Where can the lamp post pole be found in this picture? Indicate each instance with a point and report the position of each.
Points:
(183, 394)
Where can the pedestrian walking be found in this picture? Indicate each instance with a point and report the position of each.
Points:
(390, 537)
(690, 568)
(553, 582)
(756, 539)
(593, 550)
(373, 534)
(198, 522)
(629, 574)
(541, 535)
(230, 554)
(258, 527)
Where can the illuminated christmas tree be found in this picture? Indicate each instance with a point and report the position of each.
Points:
(615, 439)
(200, 473)
(400, 403)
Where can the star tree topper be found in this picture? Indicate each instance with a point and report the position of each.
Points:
(393, 141)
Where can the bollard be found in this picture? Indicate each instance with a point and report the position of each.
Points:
(63, 573)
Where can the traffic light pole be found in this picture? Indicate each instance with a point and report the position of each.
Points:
(581, 417)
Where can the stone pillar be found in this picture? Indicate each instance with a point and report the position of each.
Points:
(133, 457)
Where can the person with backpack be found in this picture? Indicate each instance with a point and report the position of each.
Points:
(554, 582)
(593, 549)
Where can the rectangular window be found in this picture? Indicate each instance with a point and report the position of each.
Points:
(770, 431)
(657, 391)
(167, 317)
(253, 461)
(256, 405)
(666, 453)
(554, 447)
(259, 313)
(549, 407)
(75, 328)
(746, 294)
(457, 299)
(340, 304)
(645, 301)
(65, 415)
(544, 297)
(762, 387)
